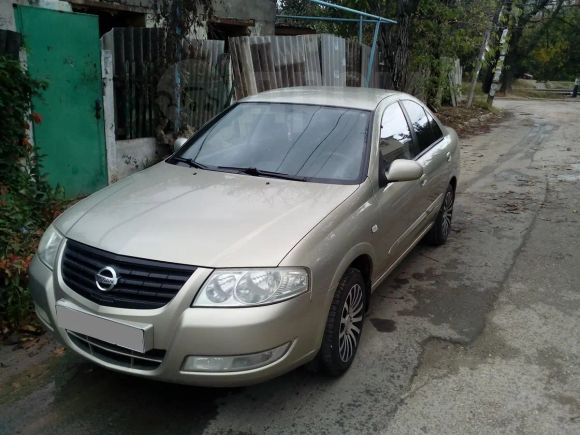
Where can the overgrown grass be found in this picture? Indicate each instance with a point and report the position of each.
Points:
(533, 89)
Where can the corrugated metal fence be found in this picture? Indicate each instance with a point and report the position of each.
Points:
(152, 95)
(261, 63)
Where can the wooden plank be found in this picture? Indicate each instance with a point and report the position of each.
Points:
(236, 68)
(248, 75)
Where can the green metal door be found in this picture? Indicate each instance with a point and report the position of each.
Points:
(63, 49)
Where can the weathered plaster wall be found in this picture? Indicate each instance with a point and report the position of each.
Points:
(262, 11)
(134, 155)
(135, 5)
(7, 21)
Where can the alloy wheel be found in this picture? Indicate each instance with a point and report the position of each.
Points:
(447, 213)
(351, 323)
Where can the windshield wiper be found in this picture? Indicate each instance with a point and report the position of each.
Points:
(261, 173)
(192, 163)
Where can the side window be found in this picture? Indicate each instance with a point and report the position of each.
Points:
(421, 125)
(395, 141)
(435, 129)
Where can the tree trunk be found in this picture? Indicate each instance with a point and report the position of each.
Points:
(395, 45)
(477, 68)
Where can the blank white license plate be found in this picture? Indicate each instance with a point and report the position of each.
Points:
(112, 331)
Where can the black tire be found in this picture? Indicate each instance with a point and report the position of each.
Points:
(440, 230)
(344, 324)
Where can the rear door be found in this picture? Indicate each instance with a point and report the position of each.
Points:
(431, 151)
(63, 50)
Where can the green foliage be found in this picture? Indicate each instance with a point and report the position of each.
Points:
(427, 31)
(551, 46)
(27, 203)
(447, 29)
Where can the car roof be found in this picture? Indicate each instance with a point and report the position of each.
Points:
(356, 98)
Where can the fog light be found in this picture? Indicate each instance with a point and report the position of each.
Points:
(234, 363)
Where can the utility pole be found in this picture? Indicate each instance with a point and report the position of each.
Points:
(478, 63)
(503, 48)
(495, 85)
(481, 56)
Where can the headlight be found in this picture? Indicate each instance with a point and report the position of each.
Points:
(48, 246)
(247, 287)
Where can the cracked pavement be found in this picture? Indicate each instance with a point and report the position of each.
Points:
(481, 335)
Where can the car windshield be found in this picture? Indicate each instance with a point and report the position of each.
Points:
(307, 142)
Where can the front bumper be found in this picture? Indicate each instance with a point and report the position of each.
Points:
(180, 331)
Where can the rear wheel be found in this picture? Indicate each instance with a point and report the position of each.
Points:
(438, 234)
(344, 325)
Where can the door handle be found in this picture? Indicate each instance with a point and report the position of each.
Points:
(98, 108)
(448, 155)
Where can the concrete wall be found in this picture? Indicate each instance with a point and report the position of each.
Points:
(262, 11)
(134, 155)
(7, 21)
(128, 5)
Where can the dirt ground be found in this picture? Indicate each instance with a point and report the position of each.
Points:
(481, 335)
(470, 121)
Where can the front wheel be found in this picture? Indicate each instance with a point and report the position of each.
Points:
(344, 324)
(438, 234)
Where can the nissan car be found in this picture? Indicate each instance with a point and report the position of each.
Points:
(255, 247)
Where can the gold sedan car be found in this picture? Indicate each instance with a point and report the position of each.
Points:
(255, 247)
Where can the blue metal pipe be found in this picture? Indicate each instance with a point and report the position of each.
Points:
(353, 11)
(346, 20)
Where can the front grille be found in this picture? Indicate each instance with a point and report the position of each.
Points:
(142, 284)
(118, 355)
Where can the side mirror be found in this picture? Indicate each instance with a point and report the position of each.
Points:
(404, 170)
(179, 143)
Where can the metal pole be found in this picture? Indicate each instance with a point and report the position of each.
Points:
(360, 24)
(353, 11)
(307, 17)
(372, 56)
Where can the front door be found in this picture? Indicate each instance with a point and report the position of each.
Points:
(397, 203)
(63, 50)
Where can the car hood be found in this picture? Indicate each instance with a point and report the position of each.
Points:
(204, 218)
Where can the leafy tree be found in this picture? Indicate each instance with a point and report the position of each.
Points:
(527, 14)
(426, 31)
(551, 46)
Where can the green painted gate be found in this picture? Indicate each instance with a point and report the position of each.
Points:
(63, 49)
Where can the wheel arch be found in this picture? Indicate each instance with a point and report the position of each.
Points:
(364, 263)
(360, 257)
(453, 182)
